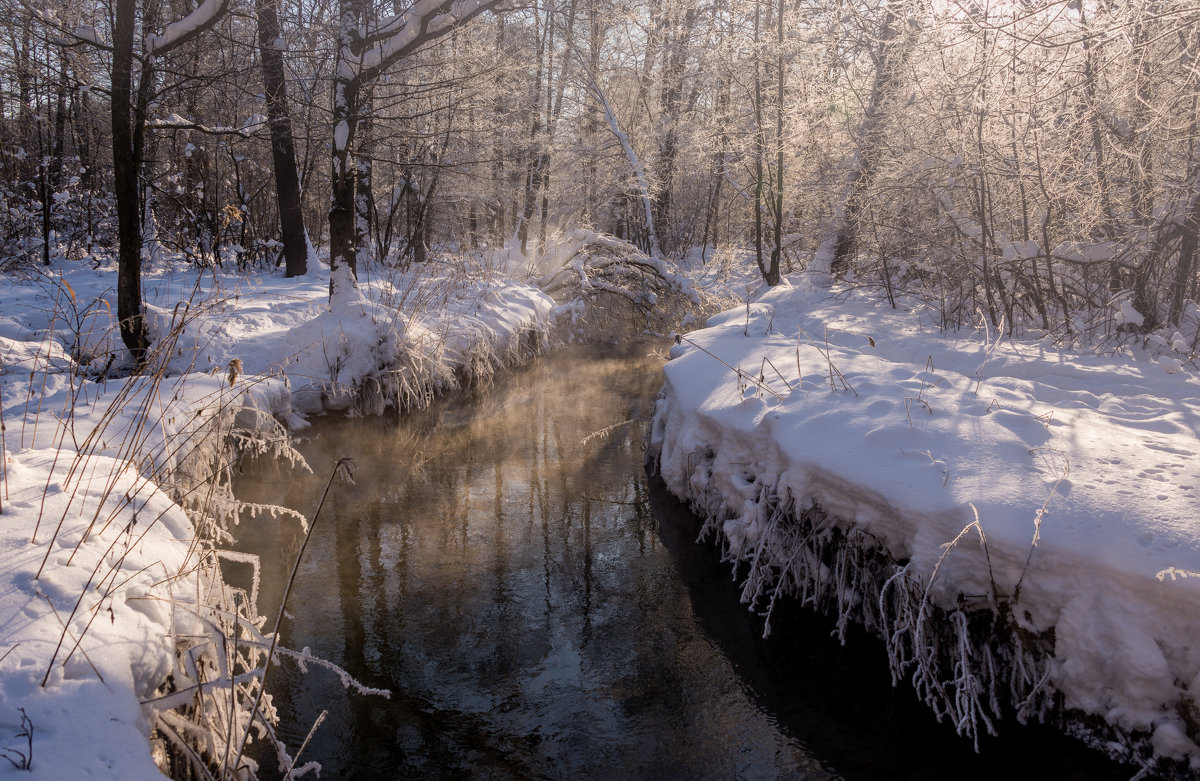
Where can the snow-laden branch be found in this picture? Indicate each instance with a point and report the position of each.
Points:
(252, 125)
(634, 162)
(183, 30)
(405, 32)
(84, 34)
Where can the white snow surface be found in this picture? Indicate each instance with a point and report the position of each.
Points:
(92, 542)
(98, 510)
(1088, 467)
(1101, 449)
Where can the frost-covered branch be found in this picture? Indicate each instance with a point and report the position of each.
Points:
(628, 284)
(588, 255)
(252, 125)
(84, 34)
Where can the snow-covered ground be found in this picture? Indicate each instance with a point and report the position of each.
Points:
(1055, 494)
(103, 587)
(1079, 471)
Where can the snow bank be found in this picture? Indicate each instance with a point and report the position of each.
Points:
(114, 496)
(103, 587)
(1004, 514)
(399, 340)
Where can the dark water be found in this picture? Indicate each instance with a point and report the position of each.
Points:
(538, 608)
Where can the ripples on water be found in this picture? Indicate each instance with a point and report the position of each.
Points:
(538, 609)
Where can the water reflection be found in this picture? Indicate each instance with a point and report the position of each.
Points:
(539, 610)
(506, 581)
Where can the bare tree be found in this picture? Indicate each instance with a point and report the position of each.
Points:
(364, 53)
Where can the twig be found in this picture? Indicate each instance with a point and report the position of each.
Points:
(345, 467)
(1037, 523)
(69, 634)
(606, 429)
(988, 346)
(833, 370)
(778, 373)
(741, 374)
(26, 757)
(312, 730)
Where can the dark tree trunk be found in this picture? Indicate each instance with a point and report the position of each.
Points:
(125, 186)
(760, 148)
(25, 114)
(774, 273)
(364, 198)
(591, 126)
(532, 174)
(342, 249)
(676, 31)
(283, 146)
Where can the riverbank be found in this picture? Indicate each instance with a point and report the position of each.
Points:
(115, 498)
(1017, 522)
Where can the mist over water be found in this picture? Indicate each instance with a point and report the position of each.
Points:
(538, 608)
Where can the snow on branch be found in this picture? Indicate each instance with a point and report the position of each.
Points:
(187, 28)
(84, 34)
(425, 21)
(172, 121)
(592, 262)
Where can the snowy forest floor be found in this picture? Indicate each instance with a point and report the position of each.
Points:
(1016, 521)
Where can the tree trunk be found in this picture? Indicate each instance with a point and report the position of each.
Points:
(532, 173)
(591, 122)
(774, 273)
(760, 147)
(342, 254)
(125, 186)
(283, 146)
(675, 32)
(364, 199)
(894, 49)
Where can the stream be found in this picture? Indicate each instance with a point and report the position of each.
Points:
(538, 608)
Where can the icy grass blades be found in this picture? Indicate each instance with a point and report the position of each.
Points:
(1001, 519)
(119, 623)
(110, 594)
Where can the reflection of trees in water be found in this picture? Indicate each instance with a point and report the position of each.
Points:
(485, 569)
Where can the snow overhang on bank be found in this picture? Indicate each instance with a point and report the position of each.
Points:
(1080, 470)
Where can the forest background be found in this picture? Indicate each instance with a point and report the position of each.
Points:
(1036, 162)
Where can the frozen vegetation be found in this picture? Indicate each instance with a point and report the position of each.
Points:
(980, 443)
(1016, 520)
